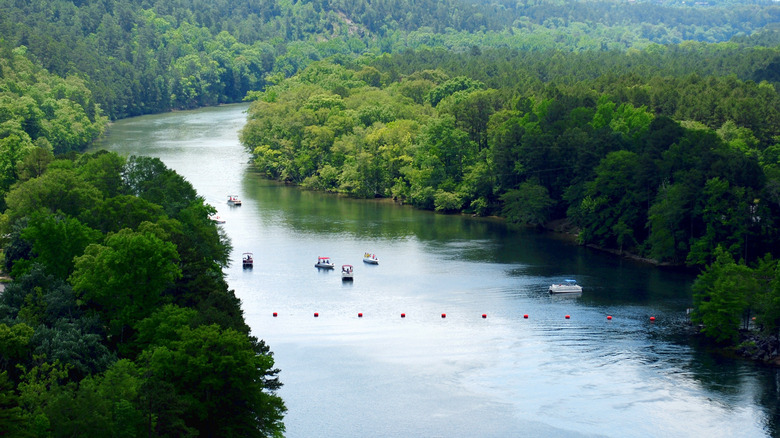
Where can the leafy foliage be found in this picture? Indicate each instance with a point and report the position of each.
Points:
(159, 55)
(85, 332)
(627, 175)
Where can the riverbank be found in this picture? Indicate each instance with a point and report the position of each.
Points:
(765, 349)
(569, 231)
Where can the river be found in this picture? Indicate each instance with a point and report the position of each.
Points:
(444, 370)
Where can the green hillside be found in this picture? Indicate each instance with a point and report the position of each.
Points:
(648, 128)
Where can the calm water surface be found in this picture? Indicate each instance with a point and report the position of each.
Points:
(460, 376)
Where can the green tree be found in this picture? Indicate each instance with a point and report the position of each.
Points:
(35, 163)
(56, 241)
(529, 204)
(450, 86)
(218, 376)
(11, 419)
(617, 197)
(149, 179)
(668, 220)
(126, 292)
(721, 297)
(57, 190)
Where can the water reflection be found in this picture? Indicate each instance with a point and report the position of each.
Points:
(423, 375)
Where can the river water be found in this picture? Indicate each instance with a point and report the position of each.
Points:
(425, 375)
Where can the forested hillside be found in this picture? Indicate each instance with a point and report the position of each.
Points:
(648, 127)
(149, 56)
(645, 164)
(119, 319)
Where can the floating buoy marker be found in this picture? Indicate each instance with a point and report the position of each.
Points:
(525, 316)
(484, 315)
(443, 315)
(403, 315)
(567, 316)
(360, 315)
(275, 314)
(652, 319)
(609, 317)
(316, 314)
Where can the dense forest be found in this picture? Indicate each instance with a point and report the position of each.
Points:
(649, 128)
(119, 318)
(147, 56)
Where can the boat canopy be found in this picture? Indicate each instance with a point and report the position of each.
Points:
(570, 281)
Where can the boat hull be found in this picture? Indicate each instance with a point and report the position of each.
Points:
(324, 266)
(565, 289)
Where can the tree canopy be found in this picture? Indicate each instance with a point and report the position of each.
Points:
(118, 318)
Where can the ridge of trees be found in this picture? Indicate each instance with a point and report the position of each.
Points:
(40, 113)
(119, 318)
(139, 57)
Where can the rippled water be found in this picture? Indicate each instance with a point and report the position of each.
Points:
(464, 375)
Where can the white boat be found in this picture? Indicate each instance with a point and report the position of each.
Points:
(324, 263)
(567, 287)
(247, 260)
(346, 273)
(233, 200)
(217, 219)
(370, 259)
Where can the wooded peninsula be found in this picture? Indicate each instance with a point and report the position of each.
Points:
(649, 128)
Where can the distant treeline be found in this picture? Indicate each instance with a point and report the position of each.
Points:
(119, 321)
(151, 56)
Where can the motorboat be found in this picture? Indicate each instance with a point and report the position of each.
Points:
(370, 259)
(247, 260)
(217, 219)
(324, 263)
(346, 273)
(567, 287)
(233, 200)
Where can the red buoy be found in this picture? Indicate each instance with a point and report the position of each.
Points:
(403, 315)
(484, 315)
(360, 315)
(275, 314)
(316, 314)
(567, 316)
(443, 315)
(609, 317)
(525, 316)
(652, 318)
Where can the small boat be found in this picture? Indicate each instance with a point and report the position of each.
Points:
(370, 259)
(217, 219)
(324, 263)
(567, 287)
(233, 200)
(346, 273)
(247, 260)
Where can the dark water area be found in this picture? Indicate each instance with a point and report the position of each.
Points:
(462, 375)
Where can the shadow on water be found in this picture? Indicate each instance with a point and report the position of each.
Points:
(466, 265)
